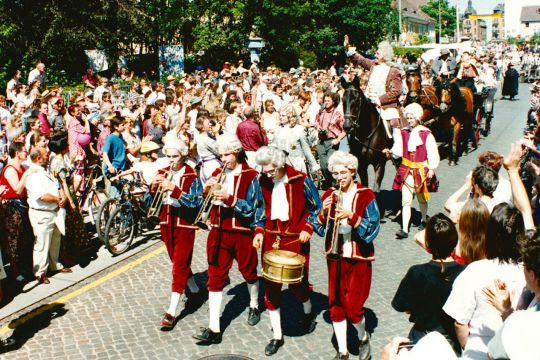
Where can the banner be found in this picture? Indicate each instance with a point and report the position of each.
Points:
(171, 60)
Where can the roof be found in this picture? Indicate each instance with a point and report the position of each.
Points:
(469, 10)
(499, 8)
(411, 8)
(530, 14)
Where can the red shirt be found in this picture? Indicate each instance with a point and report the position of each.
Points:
(10, 193)
(250, 135)
(44, 127)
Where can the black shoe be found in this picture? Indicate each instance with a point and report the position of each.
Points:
(5, 343)
(340, 356)
(273, 346)
(422, 226)
(309, 323)
(208, 337)
(254, 316)
(364, 349)
(402, 234)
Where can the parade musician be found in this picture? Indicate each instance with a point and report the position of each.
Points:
(180, 205)
(237, 216)
(349, 273)
(292, 203)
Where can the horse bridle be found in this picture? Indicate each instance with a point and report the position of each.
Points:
(355, 126)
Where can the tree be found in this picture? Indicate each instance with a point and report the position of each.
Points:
(448, 16)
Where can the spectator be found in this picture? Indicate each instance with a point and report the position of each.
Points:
(251, 136)
(38, 74)
(45, 127)
(425, 288)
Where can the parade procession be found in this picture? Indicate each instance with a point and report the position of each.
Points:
(228, 205)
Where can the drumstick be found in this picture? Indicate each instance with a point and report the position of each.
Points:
(291, 242)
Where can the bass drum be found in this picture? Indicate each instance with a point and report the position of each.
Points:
(284, 267)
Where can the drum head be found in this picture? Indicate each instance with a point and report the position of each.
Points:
(284, 257)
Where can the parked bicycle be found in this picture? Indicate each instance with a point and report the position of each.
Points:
(128, 217)
(93, 194)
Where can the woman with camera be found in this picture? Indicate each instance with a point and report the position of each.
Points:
(329, 124)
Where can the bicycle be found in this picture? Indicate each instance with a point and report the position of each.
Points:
(128, 216)
(93, 195)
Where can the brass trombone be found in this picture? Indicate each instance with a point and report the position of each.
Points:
(333, 254)
(201, 221)
(157, 203)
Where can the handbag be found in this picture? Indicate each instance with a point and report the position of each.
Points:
(432, 184)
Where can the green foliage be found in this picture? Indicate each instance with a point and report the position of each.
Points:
(448, 16)
(403, 51)
(57, 32)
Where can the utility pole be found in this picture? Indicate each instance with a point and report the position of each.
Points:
(399, 21)
(440, 27)
(458, 32)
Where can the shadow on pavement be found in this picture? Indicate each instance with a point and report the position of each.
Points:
(33, 324)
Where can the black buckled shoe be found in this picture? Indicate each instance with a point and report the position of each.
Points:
(273, 346)
(254, 316)
(402, 234)
(364, 349)
(340, 356)
(309, 323)
(208, 337)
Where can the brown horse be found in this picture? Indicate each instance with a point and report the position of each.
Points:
(451, 111)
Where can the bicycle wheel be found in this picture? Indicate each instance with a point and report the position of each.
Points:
(103, 215)
(120, 229)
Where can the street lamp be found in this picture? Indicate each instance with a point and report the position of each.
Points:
(440, 28)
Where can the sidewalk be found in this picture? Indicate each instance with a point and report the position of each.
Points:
(33, 293)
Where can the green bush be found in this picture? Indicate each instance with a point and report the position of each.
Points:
(308, 58)
(403, 51)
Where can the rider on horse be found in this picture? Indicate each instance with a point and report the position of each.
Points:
(384, 84)
(443, 67)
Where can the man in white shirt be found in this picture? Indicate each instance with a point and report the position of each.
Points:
(38, 74)
(10, 88)
(44, 201)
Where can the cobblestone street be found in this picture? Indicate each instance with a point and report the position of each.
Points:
(119, 318)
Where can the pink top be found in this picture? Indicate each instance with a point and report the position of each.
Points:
(75, 129)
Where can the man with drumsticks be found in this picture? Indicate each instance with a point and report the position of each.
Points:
(292, 203)
(237, 216)
(349, 260)
(180, 204)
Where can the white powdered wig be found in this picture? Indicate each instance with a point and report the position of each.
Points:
(270, 155)
(342, 158)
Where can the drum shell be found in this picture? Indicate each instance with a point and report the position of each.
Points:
(283, 273)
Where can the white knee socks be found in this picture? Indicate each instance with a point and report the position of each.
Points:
(254, 294)
(275, 321)
(175, 301)
(214, 300)
(307, 306)
(406, 217)
(361, 327)
(340, 329)
(192, 285)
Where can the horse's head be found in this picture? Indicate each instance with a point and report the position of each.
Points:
(414, 84)
(446, 96)
(352, 102)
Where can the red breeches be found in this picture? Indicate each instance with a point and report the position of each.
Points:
(346, 298)
(302, 291)
(179, 243)
(230, 246)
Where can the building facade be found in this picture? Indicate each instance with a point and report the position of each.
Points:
(415, 22)
(497, 26)
(530, 21)
(473, 29)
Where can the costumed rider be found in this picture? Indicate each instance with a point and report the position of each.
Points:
(384, 85)
(236, 218)
(181, 201)
(442, 69)
(292, 203)
(467, 72)
(419, 155)
(350, 267)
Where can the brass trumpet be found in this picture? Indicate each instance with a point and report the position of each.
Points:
(157, 203)
(333, 254)
(201, 221)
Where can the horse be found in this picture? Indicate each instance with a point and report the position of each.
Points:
(451, 113)
(366, 133)
(457, 108)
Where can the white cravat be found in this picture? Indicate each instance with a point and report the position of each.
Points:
(177, 175)
(228, 183)
(280, 203)
(414, 139)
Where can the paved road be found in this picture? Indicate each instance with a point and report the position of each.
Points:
(115, 314)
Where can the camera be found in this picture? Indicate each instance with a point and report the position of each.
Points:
(323, 134)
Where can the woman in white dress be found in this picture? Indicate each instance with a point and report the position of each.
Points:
(291, 138)
(209, 159)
